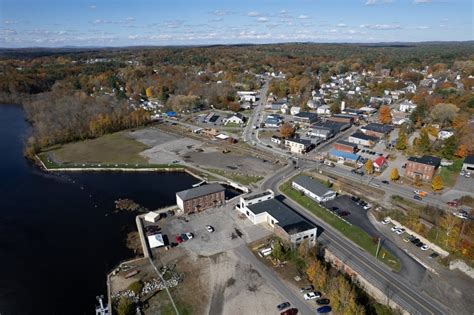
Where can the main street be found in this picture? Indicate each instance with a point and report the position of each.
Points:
(398, 288)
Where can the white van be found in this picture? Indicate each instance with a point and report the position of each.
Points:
(265, 252)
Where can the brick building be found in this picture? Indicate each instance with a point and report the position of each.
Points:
(377, 130)
(423, 168)
(345, 146)
(200, 198)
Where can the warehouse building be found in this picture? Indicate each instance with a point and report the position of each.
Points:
(313, 189)
(200, 198)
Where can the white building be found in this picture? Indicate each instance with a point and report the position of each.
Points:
(295, 110)
(238, 119)
(313, 189)
(299, 146)
(247, 96)
(445, 134)
(407, 106)
(285, 222)
(323, 110)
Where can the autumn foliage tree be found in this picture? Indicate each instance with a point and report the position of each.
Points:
(461, 152)
(437, 183)
(394, 174)
(385, 116)
(369, 167)
(287, 130)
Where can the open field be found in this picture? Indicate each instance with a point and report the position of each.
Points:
(116, 148)
(450, 174)
(352, 232)
(239, 178)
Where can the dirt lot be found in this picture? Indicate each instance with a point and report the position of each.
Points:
(216, 277)
(166, 148)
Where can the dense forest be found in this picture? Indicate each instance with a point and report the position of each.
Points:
(71, 94)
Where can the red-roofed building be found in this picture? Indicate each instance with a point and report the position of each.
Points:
(380, 163)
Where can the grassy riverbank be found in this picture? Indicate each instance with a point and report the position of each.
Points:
(352, 232)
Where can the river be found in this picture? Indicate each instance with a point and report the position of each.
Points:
(60, 233)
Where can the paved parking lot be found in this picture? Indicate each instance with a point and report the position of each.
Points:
(357, 216)
(230, 232)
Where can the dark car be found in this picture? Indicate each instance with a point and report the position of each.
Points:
(433, 255)
(419, 244)
(335, 209)
(356, 199)
(291, 311)
(322, 301)
(323, 309)
(282, 306)
(343, 213)
(385, 182)
(416, 241)
(417, 197)
(184, 237)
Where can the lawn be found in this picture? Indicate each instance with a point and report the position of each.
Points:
(116, 148)
(239, 178)
(450, 174)
(352, 232)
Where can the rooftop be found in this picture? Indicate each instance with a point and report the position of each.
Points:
(426, 159)
(255, 196)
(347, 143)
(287, 218)
(312, 185)
(200, 191)
(378, 127)
(361, 135)
(469, 159)
(300, 141)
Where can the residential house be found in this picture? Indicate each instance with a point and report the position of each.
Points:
(468, 164)
(377, 130)
(299, 146)
(295, 110)
(380, 164)
(323, 110)
(247, 96)
(273, 121)
(200, 198)
(445, 134)
(237, 118)
(285, 222)
(345, 146)
(407, 106)
(313, 189)
(423, 168)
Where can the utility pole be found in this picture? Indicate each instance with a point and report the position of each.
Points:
(378, 248)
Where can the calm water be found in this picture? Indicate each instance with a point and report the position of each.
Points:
(59, 235)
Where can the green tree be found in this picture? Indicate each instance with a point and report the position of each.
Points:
(424, 143)
(402, 141)
(449, 147)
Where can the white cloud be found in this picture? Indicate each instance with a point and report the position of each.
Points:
(130, 19)
(303, 17)
(376, 2)
(381, 27)
(92, 7)
(262, 19)
(7, 31)
(253, 14)
(221, 12)
(341, 25)
(9, 22)
(421, 1)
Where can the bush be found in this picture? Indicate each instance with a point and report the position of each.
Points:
(125, 307)
(136, 287)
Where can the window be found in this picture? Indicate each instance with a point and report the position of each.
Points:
(306, 236)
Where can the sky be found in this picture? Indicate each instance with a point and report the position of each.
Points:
(58, 23)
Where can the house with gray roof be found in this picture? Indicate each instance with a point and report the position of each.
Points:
(313, 189)
(200, 198)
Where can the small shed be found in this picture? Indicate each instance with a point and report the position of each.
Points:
(152, 217)
(156, 240)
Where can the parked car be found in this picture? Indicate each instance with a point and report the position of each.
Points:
(335, 209)
(453, 203)
(433, 255)
(354, 198)
(415, 241)
(343, 213)
(179, 239)
(184, 237)
(291, 311)
(322, 301)
(323, 309)
(425, 247)
(420, 244)
(409, 238)
(282, 306)
(385, 221)
(385, 182)
(394, 228)
(367, 207)
(307, 288)
(189, 235)
(209, 228)
(400, 231)
(417, 197)
(312, 295)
